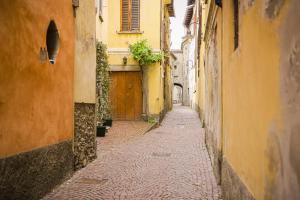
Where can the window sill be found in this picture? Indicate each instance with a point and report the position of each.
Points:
(130, 32)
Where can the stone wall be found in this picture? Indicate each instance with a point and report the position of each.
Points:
(232, 186)
(85, 144)
(33, 174)
(213, 105)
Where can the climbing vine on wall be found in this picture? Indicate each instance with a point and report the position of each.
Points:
(143, 53)
(102, 83)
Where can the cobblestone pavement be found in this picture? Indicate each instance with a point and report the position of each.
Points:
(169, 162)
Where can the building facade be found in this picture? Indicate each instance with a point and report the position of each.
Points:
(179, 93)
(190, 48)
(249, 58)
(135, 93)
(36, 95)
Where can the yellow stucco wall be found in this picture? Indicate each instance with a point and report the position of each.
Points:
(251, 103)
(102, 26)
(150, 19)
(259, 109)
(149, 25)
(156, 101)
(85, 50)
(201, 83)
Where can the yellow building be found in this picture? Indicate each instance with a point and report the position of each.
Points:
(249, 77)
(135, 93)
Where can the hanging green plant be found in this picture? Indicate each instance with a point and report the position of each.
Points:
(102, 84)
(143, 53)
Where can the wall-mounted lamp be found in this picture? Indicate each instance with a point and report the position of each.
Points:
(125, 60)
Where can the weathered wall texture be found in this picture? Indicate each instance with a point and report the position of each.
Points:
(85, 84)
(85, 50)
(260, 87)
(102, 21)
(85, 144)
(233, 187)
(166, 41)
(250, 95)
(213, 94)
(36, 97)
(261, 100)
(33, 174)
(284, 139)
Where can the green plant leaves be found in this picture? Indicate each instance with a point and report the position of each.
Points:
(143, 54)
(102, 83)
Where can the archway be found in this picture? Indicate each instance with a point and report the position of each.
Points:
(177, 93)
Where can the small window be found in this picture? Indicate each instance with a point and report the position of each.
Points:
(101, 10)
(52, 41)
(130, 15)
(175, 67)
(236, 23)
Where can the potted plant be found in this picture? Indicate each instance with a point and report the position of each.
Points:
(107, 122)
(103, 107)
(101, 131)
(107, 118)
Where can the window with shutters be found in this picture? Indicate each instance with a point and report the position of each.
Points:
(130, 15)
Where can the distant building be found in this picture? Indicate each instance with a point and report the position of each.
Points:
(190, 48)
(180, 88)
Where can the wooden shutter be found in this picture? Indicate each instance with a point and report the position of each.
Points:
(135, 15)
(125, 15)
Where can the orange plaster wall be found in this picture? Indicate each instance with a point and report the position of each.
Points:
(36, 98)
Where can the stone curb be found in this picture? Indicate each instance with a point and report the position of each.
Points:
(151, 127)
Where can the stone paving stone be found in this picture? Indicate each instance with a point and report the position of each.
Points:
(169, 162)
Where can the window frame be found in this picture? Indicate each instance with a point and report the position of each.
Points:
(138, 30)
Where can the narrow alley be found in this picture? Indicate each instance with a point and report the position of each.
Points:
(169, 162)
(150, 99)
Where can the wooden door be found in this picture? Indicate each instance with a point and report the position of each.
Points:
(126, 95)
